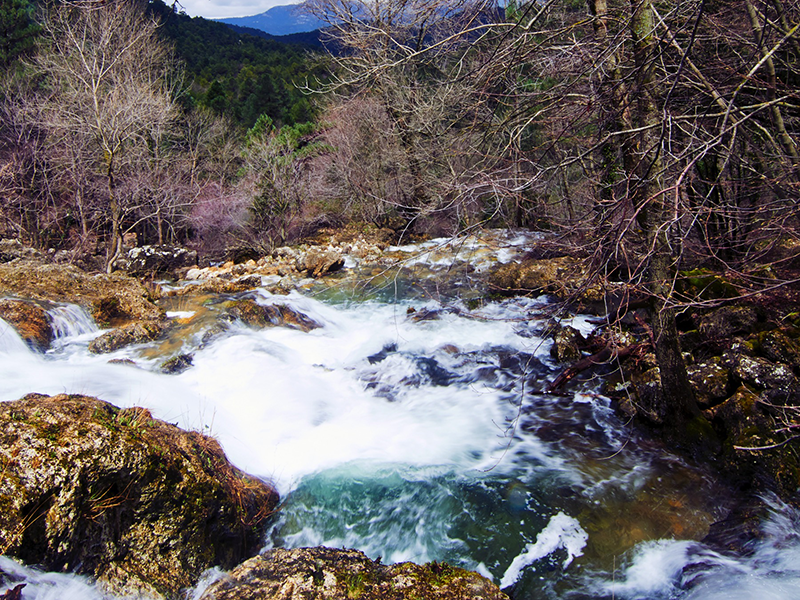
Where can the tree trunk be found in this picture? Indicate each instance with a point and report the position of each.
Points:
(115, 249)
(647, 189)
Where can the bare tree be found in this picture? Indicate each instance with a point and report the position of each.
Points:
(111, 82)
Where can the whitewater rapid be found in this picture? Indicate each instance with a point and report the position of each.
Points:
(423, 439)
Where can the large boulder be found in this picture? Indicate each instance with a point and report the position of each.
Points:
(329, 574)
(29, 320)
(115, 494)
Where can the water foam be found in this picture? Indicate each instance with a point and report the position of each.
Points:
(562, 532)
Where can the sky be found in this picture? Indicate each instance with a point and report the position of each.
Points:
(218, 9)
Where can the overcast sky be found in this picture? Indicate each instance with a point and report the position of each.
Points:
(217, 9)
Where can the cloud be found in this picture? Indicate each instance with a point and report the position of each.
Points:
(219, 9)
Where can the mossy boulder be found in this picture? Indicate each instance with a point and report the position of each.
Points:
(137, 503)
(330, 574)
(777, 346)
(30, 322)
(711, 381)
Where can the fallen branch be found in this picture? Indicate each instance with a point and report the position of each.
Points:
(606, 355)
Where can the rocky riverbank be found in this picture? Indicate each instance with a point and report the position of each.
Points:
(742, 351)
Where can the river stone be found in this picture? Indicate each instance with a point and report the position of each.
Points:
(564, 276)
(115, 494)
(330, 574)
(30, 322)
(15, 250)
(567, 344)
(272, 315)
(133, 333)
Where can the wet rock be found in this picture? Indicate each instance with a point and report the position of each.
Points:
(318, 261)
(177, 364)
(567, 344)
(30, 322)
(275, 315)
(728, 321)
(133, 333)
(329, 574)
(111, 299)
(711, 381)
(137, 503)
(150, 260)
(14, 593)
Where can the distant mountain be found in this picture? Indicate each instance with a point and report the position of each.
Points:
(307, 38)
(280, 20)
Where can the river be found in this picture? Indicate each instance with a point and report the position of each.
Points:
(411, 425)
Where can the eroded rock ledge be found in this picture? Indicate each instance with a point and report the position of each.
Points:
(330, 574)
(115, 494)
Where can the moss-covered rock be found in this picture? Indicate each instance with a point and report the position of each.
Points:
(711, 381)
(330, 574)
(135, 502)
(30, 322)
(567, 343)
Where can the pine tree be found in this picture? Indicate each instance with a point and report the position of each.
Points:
(17, 30)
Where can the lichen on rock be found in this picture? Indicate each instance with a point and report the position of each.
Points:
(137, 503)
(331, 574)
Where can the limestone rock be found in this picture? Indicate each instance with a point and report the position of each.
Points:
(111, 299)
(318, 261)
(137, 503)
(29, 320)
(329, 574)
(155, 259)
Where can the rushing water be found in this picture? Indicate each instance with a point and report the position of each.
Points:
(414, 429)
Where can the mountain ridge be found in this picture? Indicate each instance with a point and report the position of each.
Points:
(278, 21)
